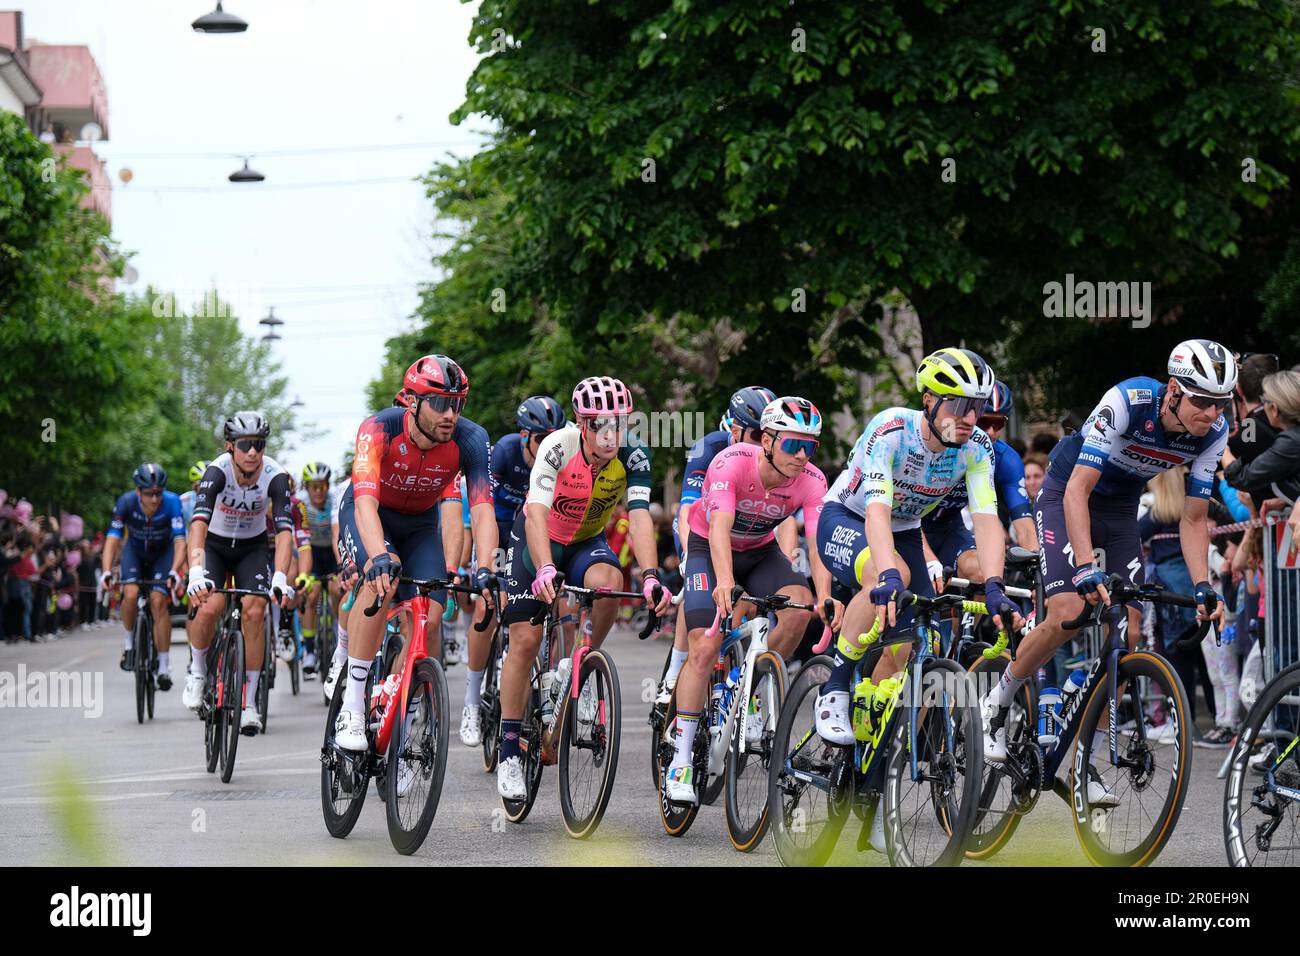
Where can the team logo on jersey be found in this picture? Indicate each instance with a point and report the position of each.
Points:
(555, 457)
(1149, 425)
(1138, 396)
(401, 448)
(856, 480)
(638, 461)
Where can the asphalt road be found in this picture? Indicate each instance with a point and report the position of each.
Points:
(86, 784)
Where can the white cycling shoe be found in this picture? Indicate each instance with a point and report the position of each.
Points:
(192, 696)
(510, 779)
(309, 665)
(679, 785)
(350, 731)
(995, 742)
(1098, 794)
(665, 693)
(833, 724)
(332, 678)
(288, 649)
(471, 729)
(250, 724)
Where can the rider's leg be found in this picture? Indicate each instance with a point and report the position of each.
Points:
(162, 629)
(130, 594)
(253, 619)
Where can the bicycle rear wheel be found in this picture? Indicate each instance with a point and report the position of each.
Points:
(932, 794)
(1261, 827)
(489, 706)
(151, 679)
(657, 717)
(810, 782)
(589, 746)
(1151, 783)
(230, 696)
(343, 776)
(417, 758)
(749, 761)
(677, 817)
(213, 721)
(1009, 790)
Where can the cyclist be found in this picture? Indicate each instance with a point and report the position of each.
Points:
(740, 423)
(300, 573)
(228, 534)
(902, 466)
(188, 498)
(944, 528)
(1089, 499)
(348, 576)
(318, 500)
(151, 518)
(750, 491)
(580, 475)
(407, 459)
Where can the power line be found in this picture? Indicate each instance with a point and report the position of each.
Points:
(247, 190)
(290, 152)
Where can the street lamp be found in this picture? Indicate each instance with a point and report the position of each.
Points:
(271, 322)
(246, 175)
(218, 21)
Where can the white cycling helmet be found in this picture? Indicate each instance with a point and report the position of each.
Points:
(792, 414)
(1203, 367)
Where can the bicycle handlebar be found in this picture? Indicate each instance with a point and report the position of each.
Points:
(591, 595)
(424, 586)
(1122, 591)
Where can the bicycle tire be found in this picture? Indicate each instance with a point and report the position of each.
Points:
(295, 676)
(994, 827)
(530, 752)
(746, 829)
(657, 718)
(1236, 822)
(489, 706)
(141, 663)
(1132, 667)
(340, 821)
(151, 680)
(265, 683)
(231, 702)
(428, 691)
(677, 817)
(582, 821)
(953, 793)
(213, 724)
(787, 807)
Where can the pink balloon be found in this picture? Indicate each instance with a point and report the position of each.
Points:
(65, 602)
(72, 527)
(73, 560)
(23, 510)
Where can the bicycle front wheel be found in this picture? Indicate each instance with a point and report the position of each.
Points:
(936, 762)
(230, 695)
(142, 633)
(1261, 823)
(417, 758)
(589, 739)
(1124, 815)
(749, 755)
(344, 779)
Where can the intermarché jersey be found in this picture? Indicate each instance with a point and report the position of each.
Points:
(318, 519)
(733, 486)
(233, 511)
(1124, 440)
(390, 466)
(581, 497)
(891, 465)
(147, 534)
(1008, 480)
(698, 459)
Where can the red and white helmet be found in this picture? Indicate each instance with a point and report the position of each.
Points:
(433, 375)
(601, 395)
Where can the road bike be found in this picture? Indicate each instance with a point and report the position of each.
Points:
(143, 648)
(222, 705)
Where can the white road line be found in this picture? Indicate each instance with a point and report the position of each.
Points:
(37, 801)
(146, 776)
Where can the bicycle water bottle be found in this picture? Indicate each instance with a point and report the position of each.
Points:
(548, 698)
(1072, 686)
(716, 708)
(1049, 716)
(864, 696)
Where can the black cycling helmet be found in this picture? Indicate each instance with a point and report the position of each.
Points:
(746, 406)
(245, 425)
(540, 413)
(150, 475)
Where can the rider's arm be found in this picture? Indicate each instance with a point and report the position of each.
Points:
(539, 539)
(113, 540)
(178, 536)
(787, 537)
(111, 546)
(483, 527)
(1078, 524)
(1194, 536)
(366, 467)
(280, 508)
(720, 524)
(641, 529)
(1026, 533)
(990, 544)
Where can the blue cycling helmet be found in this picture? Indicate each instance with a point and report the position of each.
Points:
(150, 475)
(746, 406)
(1000, 401)
(541, 413)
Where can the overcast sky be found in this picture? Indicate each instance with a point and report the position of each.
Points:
(339, 263)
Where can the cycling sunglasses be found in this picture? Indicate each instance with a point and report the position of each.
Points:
(150, 492)
(608, 423)
(1205, 401)
(251, 444)
(961, 406)
(792, 446)
(440, 403)
(992, 421)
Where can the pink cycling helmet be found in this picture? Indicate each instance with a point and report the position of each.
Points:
(601, 395)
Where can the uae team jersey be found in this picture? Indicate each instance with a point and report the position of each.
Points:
(733, 486)
(233, 511)
(390, 466)
(1124, 440)
(580, 495)
(891, 465)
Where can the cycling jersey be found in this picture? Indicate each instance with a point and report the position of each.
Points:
(147, 534)
(318, 519)
(509, 476)
(298, 516)
(340, 491)
(698, 460)
(187, 506)
(233, 511)
(891, 464)
(1008, 480)
(733, 486)
(391, 467)
(1124, 440)
(580, 497)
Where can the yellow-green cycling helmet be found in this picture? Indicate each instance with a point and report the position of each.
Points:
(955, 372)
(196, 470)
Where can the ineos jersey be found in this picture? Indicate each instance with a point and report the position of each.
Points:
(891, 465)
(1124, 440)
(410, 480)
(233, 511)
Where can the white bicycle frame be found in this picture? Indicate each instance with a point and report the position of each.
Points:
(757, 631)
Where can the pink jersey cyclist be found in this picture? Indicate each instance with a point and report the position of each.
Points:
(732, 485)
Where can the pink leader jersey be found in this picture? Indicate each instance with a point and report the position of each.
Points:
(732, 486)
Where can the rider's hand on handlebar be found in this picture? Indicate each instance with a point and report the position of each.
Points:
(485, 582)
(886, 592)
(200, 588)
(348, 575)
(106, 582)
(836, 619)
(543, 586)
(722, 600)
(649, 583)
(281, 592)
(1090, 581)
(1006, 616)
(935, 570)
(380, 571)
(1206, 595)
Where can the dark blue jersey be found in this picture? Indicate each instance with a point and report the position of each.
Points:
(1008, 481)
(148, 534)
(509, 476)
(698, 459)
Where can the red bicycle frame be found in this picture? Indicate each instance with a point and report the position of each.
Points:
(416, 651)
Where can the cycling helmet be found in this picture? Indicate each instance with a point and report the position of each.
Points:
(540, 414)
(1203, 367)
(747, 405)
(150, 475)
(726, 421)
(999, 402)
(316, 471)
(958, 372)
(196, 471)
(246, 425)
(601, 395)
(435, 375)
(791, 414)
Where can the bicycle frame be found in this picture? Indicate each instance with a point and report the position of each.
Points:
(415, 652)
(757, 629)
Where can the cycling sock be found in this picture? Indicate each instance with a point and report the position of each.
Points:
(164, 662)
(342, 647)
(1008, 686)
(687, 724)
(675, 664)
(250, 687)
(199, 661)
(510, 739)
(473, 688)
(130, 639)
(354, 697)
(846, 656)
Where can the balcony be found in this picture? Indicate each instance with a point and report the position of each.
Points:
(73, 90)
